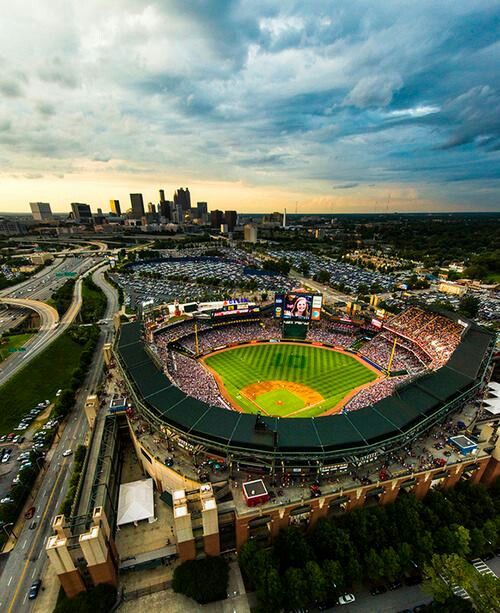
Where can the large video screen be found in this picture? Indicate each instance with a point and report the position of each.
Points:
(298, 306)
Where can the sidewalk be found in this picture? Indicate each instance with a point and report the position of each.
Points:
(47, 597)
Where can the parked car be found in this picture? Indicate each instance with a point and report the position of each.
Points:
(378, 589)
(395, 585)
(347, 599)
(67, 453)
(29, 513)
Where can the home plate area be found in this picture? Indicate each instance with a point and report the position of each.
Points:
(281, 398)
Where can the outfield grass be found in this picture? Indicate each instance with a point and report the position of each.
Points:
(12, 342)
(39, 380)
(332, 374)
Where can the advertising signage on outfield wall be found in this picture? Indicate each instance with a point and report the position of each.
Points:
(298, 306)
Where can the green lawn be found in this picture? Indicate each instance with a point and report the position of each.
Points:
(13, 342)
(330, 373)
(39, 380)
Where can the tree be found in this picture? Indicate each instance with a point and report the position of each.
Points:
(469, 306)
(448, 571)
(374, 566)
(405, 553)
(292, 548)
(392, 566)
(304, 268)
(315, 580)
(270, 590)
(323, 276)
(296, 589)
(203, 580)
(334, 577)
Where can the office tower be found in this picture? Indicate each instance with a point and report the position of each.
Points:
(165, 209)
(183, 197)
(114, 207)
(250, 233)
(151, 208)
(202, 209)
(137, 206)
(81, 212)
(41, 211)
(178, 215)
(216, 218)
(99, 211)
(230, 219)
(162, 195)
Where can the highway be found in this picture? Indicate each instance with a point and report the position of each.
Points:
(51, 327)
(28, 561)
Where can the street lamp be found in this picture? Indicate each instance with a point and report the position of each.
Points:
(38, 459)
(5, 526)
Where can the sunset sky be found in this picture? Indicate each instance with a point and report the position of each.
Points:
(341, 106)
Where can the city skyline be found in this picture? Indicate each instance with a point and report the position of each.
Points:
(324, 108)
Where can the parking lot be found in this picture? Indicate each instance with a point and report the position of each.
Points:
(352, 277)
(23, 450)
(195, 278)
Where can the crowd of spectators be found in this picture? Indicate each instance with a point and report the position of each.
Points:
(370, 395)
(193, 379)
(330, 335)
(178, 331)
(379, 351)
(437, 335)
(219, 336)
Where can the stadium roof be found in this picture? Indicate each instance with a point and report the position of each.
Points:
(371, 425)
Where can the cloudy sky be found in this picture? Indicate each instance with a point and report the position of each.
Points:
(338, 106)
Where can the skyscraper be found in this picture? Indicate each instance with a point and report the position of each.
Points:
(41, 211)
(151, 208)
(162, 195)
(230, 219)
(202, 211)
(81, 212)
(137, 206)
(183, 197)
(114, 207)
(164, 208)
(216, 218)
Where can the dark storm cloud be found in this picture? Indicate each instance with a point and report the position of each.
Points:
(332, 92)
(346, 186)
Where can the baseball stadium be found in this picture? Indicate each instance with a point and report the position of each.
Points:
(260, 390)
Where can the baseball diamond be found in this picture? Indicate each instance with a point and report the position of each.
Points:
(288, 379)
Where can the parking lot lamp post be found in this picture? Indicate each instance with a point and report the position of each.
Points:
(5, 526)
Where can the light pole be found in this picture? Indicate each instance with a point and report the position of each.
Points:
(5, 526)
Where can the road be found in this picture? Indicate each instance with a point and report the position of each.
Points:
(27, 561)
(51, 327)
(49, 320)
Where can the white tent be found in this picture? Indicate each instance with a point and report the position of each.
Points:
(492, 405)
(136, 502)
(494, 387)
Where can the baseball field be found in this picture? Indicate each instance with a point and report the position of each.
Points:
(288, 380)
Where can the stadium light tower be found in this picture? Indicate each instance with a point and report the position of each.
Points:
(392, 357)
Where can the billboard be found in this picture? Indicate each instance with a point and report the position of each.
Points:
(298, 306)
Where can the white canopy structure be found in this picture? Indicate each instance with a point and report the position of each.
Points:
(136, 502)
(492, 405)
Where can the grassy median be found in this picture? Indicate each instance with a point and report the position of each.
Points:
(38, 380)
(13, 341)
